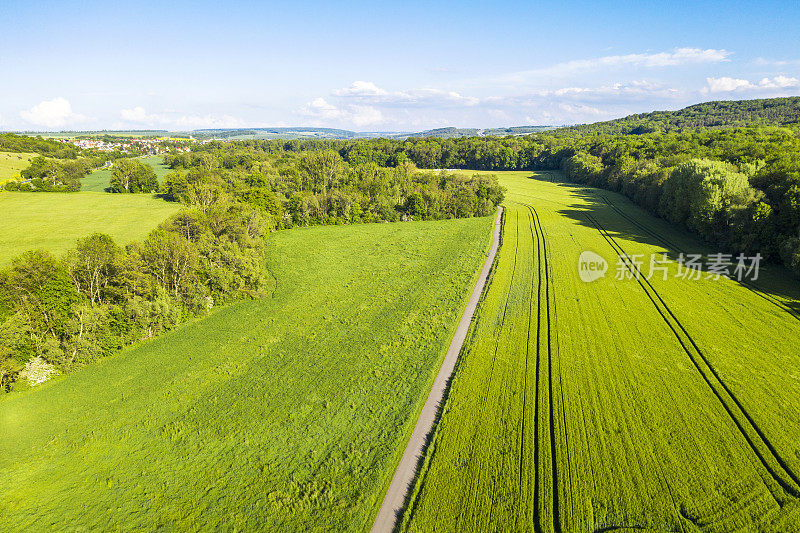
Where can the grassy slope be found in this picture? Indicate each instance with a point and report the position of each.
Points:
(98, 180)
(52, 221)
(12, 163)
(641, 438)
(288, 413)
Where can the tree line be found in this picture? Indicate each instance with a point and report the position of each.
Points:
(52, 175)
(754, 173)
(737, 188)
(61, 313)
(10, 142)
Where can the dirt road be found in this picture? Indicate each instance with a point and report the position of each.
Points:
(404, 476)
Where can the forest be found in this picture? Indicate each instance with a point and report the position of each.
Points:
(720, 114)
(320, 187)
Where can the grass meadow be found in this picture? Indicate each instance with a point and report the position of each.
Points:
(655, 405)
(12, 163)
(53, 221)
(288, 413)
(99, 179)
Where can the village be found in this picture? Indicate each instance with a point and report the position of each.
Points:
(148, 146)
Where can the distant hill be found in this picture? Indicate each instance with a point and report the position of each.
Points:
(273, 133)
(720, 114)
(331, 133)
(298, 132)
(448, 133)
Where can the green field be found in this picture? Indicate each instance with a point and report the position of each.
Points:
(12, 163)
(53, 221)
(98, 180)
(288, 413)
(617, 404)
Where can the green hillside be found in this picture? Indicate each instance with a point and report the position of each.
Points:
(286, 413)
(11, 163)
(719, 114)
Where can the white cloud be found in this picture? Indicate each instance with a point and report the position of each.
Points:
(716, 85)
(361, 88)
(499, 114)
(776, 62)
(778, 82)
(210, 121)
(320, 108)
(632, 89)
(727, 85)
(366, 116)
(138, 116)
(364, 103)
(53, 113)
(674, 58)
(321, 113)
(367, 92)
(580, 109)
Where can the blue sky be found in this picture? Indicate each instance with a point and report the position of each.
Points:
(373, 66)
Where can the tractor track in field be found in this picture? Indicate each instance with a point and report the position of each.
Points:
(536, 443)
(544, 268)
(522, 468)
(752, 287)
(710, 376)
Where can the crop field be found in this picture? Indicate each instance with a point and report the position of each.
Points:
(288, 413)
(617, 404)
(53, 221)
(99, 180)
(12, 163)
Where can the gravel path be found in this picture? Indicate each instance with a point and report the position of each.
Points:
(404, 476)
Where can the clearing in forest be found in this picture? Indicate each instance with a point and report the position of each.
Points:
(99, 180)
(52, 221)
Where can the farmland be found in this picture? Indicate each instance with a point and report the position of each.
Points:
(284, 413)
(12, 163)
(52, 221)
(661, 404)
(98, 180)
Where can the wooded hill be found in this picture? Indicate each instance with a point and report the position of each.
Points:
(721, 114)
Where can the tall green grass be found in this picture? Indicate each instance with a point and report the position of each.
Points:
(283, 414)
(11, 163)
(53, 221)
